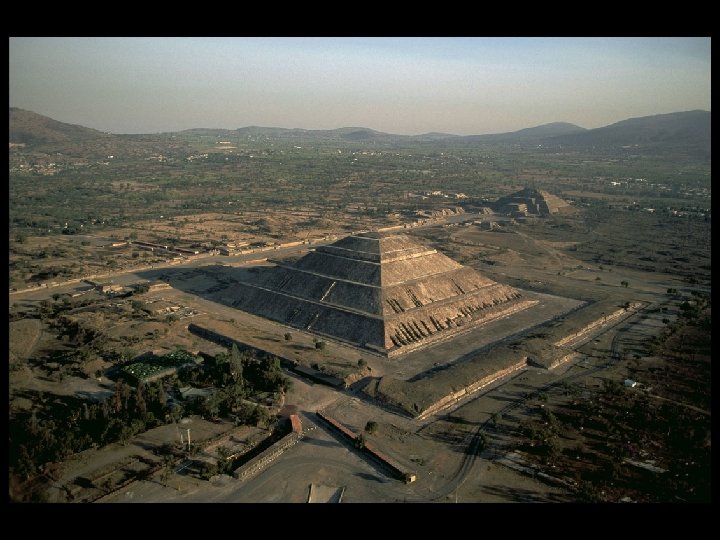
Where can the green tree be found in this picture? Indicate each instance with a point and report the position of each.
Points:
(551, 450)
(260, 416)
(141, 288)
(234, 395)
(285, 384)
(116, 400)
(371, 426)
(168, 465)
(320, 345)
(210, 407)
(236, 363)
(360, 441)
(612, 388)
(140, 404)
(32, 424)
(126, 433)
(224, 463)
(25, 465)
(550, 418)
(208, 470)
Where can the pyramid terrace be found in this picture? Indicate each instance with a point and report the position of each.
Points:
(386, 293)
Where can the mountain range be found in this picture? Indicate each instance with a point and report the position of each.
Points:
(687, 133)
(29, 128)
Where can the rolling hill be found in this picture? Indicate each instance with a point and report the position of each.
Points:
(32, 133)
(533, 134)
(27, 127)
(682, 131)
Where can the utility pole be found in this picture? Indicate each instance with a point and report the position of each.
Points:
(188, 433)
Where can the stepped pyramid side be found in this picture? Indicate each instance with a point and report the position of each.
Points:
(351, 269)
(386, 293)
(354, 327)
(530, 201)
(553, 202)
(438, 289)
(416, 267)
(333, 291)
(442, 318)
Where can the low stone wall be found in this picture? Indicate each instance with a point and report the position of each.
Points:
(559, 361)
(133, 478)
(598, 323)
(262, 460)
(369, 448)
(442, 389)
(225, 341)
(455, 397)
(319, 376)
(544, 354)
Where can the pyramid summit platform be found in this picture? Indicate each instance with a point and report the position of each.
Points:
(379, 291)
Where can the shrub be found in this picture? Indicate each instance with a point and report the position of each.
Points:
(360, 441)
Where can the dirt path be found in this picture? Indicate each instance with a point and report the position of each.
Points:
(691, 407)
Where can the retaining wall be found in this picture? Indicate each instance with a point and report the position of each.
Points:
(599, 323)
(369, 448)
(454, 397)
(262, 460)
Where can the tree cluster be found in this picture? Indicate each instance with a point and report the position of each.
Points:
(69, 425)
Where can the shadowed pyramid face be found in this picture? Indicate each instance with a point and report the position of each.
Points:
(384, 292)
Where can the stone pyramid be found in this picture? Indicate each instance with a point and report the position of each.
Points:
(536, 202)
(379, 291)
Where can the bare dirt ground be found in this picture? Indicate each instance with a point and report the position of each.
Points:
(26, 334)
(90, 463)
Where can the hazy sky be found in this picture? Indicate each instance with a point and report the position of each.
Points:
(398, 85)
